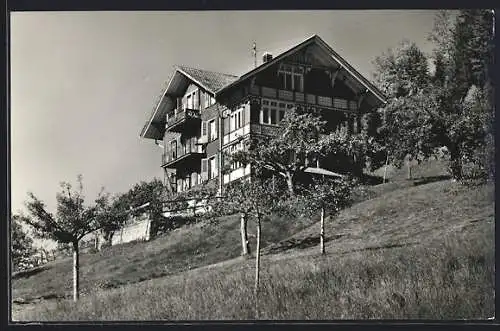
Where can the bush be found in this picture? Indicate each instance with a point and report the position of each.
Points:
(167, 224)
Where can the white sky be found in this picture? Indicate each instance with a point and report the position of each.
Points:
(83, 83)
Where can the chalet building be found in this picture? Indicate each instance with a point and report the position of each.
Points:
(202, 113)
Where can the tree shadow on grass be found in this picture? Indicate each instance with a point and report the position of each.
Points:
(29, 272)
(298, 243)
(377, 248)
(368, 179)
(430, 179)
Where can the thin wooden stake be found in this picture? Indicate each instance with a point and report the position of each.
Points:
(322, 232)
(257, 270)
(76, 275)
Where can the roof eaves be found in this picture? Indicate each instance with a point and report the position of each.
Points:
(155, 110)
(365, 82)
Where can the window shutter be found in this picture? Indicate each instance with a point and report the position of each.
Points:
(226, 125)
(209, 130)
(204, 169)
(244, 114)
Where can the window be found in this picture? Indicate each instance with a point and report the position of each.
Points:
(212, 168)
(212, 130)
(233, 149)
(173, 149)
(274, 120)
(273, 112)
(189, 101)
(281, 115)
(203, 128)
(206, 100)
(265, 115)
(291, 78)
(297, 82)
(209, 100)
(187, 183)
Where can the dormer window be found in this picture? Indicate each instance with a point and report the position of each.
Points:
(209, 100)
(291, 78)
(190, 100)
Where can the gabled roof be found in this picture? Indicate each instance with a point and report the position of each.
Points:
(219, 83)
(334, 58)
(181, 78)
(210, 80)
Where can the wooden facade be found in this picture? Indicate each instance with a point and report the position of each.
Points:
(304, 78)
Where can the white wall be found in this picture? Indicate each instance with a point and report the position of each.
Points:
(138, 229)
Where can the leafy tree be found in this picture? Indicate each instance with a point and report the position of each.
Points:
(463, 59)
(152, 192)
(402, 71)
(300, 142)
(327, 195)
(73, 220)
(406, 130)
(114, 214)
(427, 111)
(256, 199)
(21, 245)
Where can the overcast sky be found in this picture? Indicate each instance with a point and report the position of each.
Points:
(84, 83)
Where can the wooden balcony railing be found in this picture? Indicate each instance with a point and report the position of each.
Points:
(183, 151)
(180, 116)
(306, 98)
(263, 129)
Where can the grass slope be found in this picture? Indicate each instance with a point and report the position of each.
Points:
(183, 249)
(423, 251)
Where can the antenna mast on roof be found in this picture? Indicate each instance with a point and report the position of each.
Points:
(254, 51)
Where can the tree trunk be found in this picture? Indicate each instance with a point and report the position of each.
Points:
(244, 235)
(456, 163)
(257, 269)
(408, 164)
(385, 169)
(76, 269)
(322, 232)
(289, 183)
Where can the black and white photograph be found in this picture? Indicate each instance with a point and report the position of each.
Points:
(270, 165)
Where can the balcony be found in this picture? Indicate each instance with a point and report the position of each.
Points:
(185, 155)
(305, 98)
(264, 129)
(180, 119)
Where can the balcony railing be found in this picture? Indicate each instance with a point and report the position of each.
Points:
(306, 98)
(183, 152)
(263, 129)
(180, 117)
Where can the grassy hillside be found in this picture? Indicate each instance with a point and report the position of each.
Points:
(180, 250)
(409, 251)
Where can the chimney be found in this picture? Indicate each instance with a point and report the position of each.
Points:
(267, 57)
